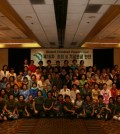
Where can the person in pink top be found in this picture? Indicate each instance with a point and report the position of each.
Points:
(105, 92)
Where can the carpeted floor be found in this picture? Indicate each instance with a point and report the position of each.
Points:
(59, 126)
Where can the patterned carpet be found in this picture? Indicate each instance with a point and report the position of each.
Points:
(59, 126)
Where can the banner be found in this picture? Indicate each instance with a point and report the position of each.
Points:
(61, 55)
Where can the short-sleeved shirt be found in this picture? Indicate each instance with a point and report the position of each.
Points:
(59, 105)
(11, 105)
(117, 109)
(88, 106)
(100, 106)
(2, 104)
(21, 105)
(48, 102)
(39, 103)
(29, 105)
(69, 105)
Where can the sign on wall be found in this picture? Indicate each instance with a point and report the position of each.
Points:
(61, 55)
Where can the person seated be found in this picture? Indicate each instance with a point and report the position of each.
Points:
(110, 109)
(48, 105)
(34, 89)
(38, 105)
(2, 108)
(99, 108)
(68, 108)
(58, 106)
(11, 108)
(117, 110)
(88, 107)
(73, 92)
(65, 91)
(21, 106)
(78, 105)
(29, 110)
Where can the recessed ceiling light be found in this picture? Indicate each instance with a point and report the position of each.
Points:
(28, 17)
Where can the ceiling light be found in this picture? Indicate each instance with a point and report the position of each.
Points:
(92, 17)
(28, 17)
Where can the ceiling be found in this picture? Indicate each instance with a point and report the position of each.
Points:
(60, 23)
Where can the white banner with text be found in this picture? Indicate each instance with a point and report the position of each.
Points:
(61, 55)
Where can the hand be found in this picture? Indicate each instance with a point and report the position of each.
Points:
(84, 115)
(28, 114)
(92, 114)
(36, 111)
(76, 107)
(46, 109)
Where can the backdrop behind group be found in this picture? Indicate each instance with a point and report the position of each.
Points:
(61, 55)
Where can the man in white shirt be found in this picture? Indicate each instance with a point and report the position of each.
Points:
(65, 91)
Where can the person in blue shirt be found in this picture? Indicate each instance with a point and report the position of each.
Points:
(24, 91)
(34, 89)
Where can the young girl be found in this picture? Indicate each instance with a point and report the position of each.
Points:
(58, 106)
(11, 108)
(88, 107)
(78, 105)
(34, 89)
(48, 105)
(117, 110)
(21, 106)
(68, 108)
(110, 109)
(38, 105)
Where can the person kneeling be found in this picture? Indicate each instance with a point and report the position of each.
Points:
(68, 107)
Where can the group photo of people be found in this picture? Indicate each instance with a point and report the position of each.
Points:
(68, 91)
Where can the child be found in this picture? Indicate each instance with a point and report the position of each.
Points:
(78, 105)
(99, 107)
(110, 109)
(68, 108)
(48, 105)
(117, 111)
(58, 106)
(88, 107)
(38, 105)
